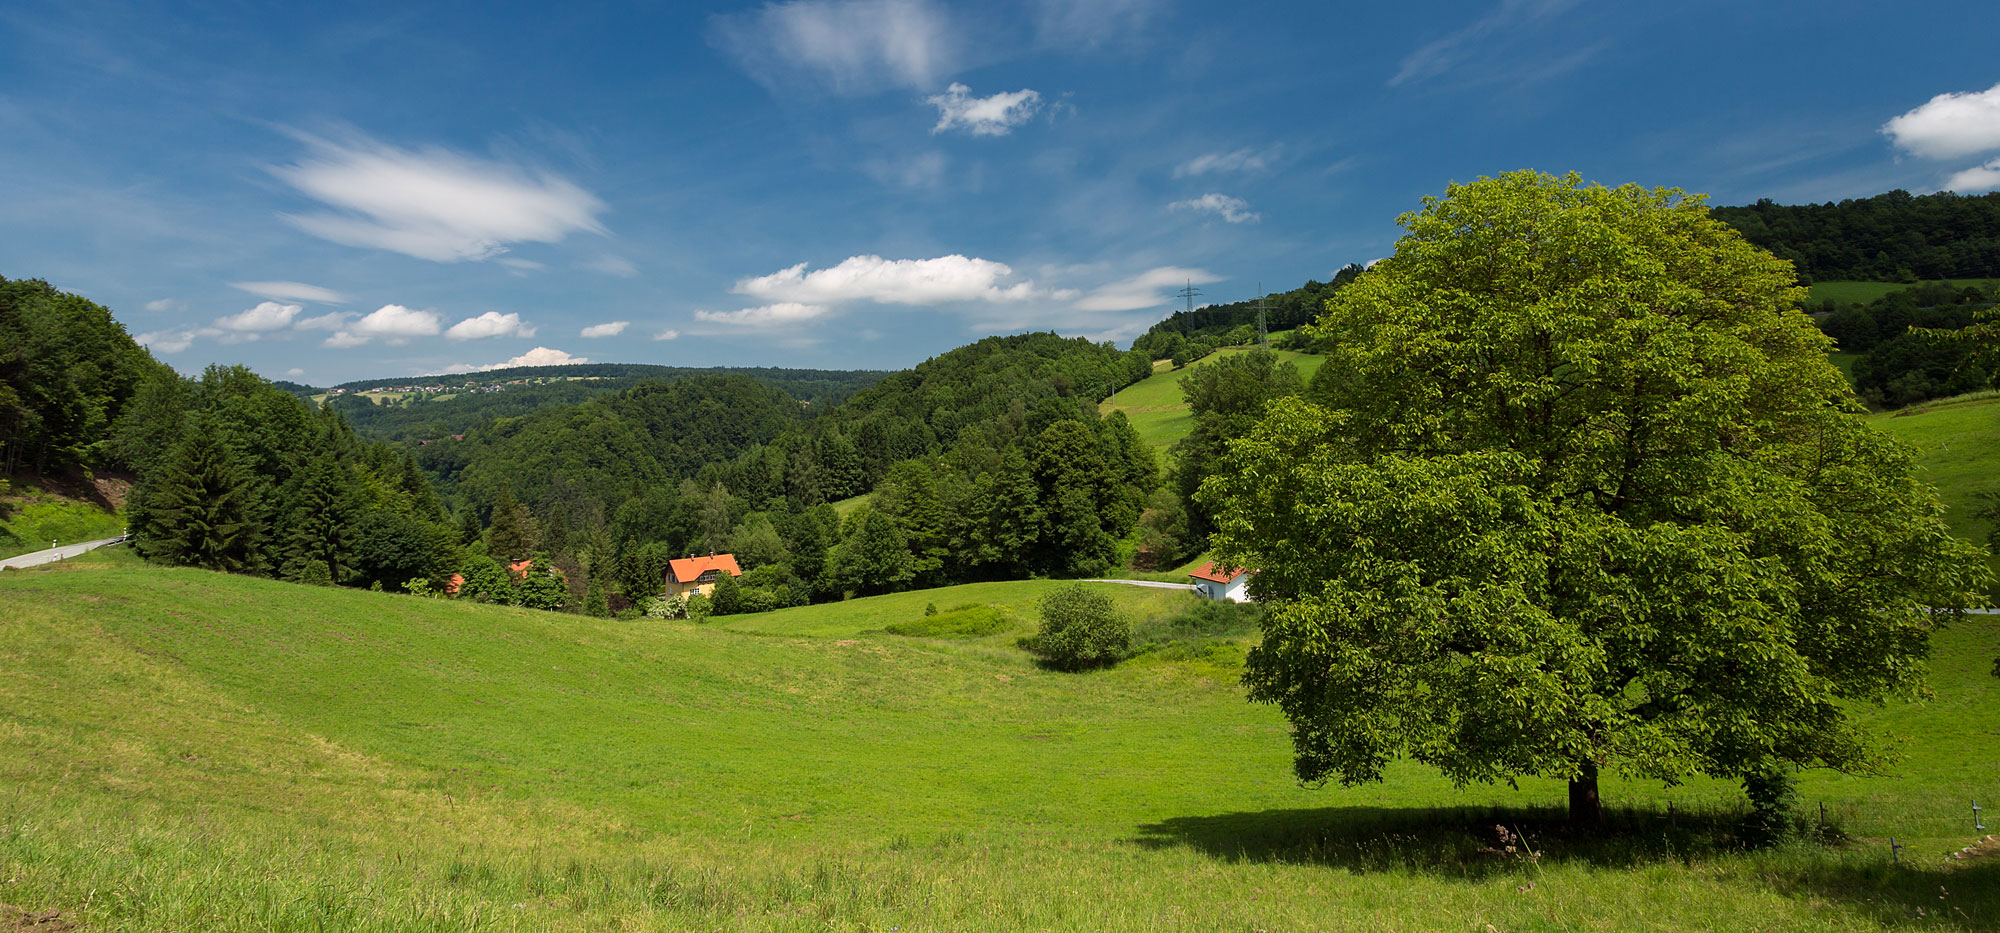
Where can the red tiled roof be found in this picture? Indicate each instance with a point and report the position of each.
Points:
(690, 569)
(1216, 574)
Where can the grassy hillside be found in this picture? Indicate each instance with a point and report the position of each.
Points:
(1155, 405)
(1958, 450)
(1865, 292)
(31, 515)
(184, 750)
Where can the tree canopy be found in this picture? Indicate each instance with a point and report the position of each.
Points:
(1577, 490)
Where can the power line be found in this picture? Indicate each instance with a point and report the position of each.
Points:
(1189, 293)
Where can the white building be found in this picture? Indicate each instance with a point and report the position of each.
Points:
(1219, 583)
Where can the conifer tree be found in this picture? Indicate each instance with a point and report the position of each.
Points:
(197, 510)
(320, 522)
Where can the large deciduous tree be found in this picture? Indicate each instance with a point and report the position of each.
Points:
(1582, 494)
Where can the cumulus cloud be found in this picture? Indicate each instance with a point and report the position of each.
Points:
(166, 304)
(1976, 179)
(295, 371)
(291, 291)
(771, 315)
(846, 46)
(490, 324)
(433, 204)
(392, 324)
(166, 341)
(1149, 289)
(610, 329)
(983, 116)
(668, 334)
(1241, 160)
(1234, 210)
(1950, 126)
(613, 265)
(891, 281)
(266, 316)
(539, 356)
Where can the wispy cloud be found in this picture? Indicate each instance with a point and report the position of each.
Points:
(1221, 163)
(490, 324)
(921, 170)
(983, 116)
(1233, 210)
(392, 324)
(1087, 25)
(1443, 55)
(432, 203)
(613, 265)
(609, 329)
(166, 304)
(291, 291)
(1950, 126)
(953, 278)
(846, 46)
(668, 334)
(1149, 289)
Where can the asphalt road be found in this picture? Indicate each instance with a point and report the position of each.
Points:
(65, 552)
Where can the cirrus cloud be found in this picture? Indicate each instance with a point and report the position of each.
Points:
(432, 203)
(846, 46)
(1949, 126)
(1233, 210)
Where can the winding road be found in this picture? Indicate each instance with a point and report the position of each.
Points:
(48, 555)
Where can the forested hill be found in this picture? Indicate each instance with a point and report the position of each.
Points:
(1236, 323)
(428, 408)
(1893, 237)
(68, 370)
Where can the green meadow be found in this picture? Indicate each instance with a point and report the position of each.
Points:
(185, 750)
(1865, 292)
(1156, 407)
(1957, 444)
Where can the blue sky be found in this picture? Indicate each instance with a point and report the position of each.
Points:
(337, 191)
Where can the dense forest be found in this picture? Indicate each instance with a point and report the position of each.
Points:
(67, 372)
(1892, 237)
(1191, 335)
(1902, 361)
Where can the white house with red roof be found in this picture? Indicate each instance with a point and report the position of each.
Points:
(692, 575)
(1219, 583)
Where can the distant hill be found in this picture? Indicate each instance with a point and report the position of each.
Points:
(1892, 237)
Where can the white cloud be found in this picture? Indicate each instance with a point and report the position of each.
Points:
(490, 324)
(291, 291)
(1234, 210)
(525, 265)
(611, 329)
(394, 324)
(668, 334)
(266, 316)
(295, 371)
(433, 204)
(1241, 160)
(886, 281)
(167, 341)
(772, 315)
(542, 356)
(166, 304)
(1441, 56)
(983, 116)
(332, 320)
(846, 46)
(613, 265)
(1149, 289)
(1950, 126)
(1976, 179)
(923, 170)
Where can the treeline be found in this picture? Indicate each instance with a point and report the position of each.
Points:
(67, 372)
(424, 417)
(1892, 237)
(1190, 335)
(1899, 363)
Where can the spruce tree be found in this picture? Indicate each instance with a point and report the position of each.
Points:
(320, 522)
(198, 509)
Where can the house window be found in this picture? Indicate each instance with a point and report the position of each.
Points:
(707, 576)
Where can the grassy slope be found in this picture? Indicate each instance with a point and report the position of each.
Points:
(1864, 292)
(1958, 450)
(1158, 410)
(32, 517)
(185, 750)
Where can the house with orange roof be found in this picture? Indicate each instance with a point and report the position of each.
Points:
(691, 575)
(1219, 583)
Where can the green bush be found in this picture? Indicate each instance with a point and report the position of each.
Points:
(698, 608)
(1081, 629)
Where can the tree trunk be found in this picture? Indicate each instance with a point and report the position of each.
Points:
(1585, 809)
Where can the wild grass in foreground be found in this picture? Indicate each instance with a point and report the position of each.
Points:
(183, 750)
